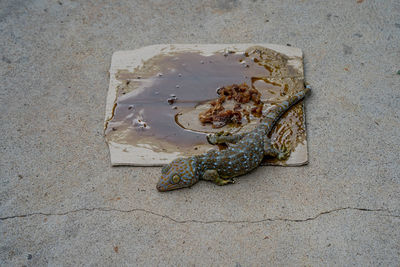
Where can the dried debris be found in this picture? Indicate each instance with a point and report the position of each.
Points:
(218, 116)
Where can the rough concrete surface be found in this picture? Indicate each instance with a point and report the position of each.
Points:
(62, 204)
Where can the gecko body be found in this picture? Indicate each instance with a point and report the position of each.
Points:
(244, 153)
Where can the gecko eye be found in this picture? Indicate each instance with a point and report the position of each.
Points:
(165, 168)
(176, 179)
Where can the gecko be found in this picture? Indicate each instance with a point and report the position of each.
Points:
(244, 153)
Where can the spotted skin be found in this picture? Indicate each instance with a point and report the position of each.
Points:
(244, 153)
(181, 172)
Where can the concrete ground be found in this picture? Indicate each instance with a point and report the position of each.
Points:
(62, 204)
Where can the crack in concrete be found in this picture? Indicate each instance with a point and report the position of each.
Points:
(388, 213)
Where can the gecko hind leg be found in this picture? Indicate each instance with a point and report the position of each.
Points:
(271, 151)
(223, 138)
(213, 176)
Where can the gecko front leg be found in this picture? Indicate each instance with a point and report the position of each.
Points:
(213, 176)
(223, 138)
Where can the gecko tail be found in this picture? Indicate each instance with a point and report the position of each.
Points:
(285, 105)
(273, 115)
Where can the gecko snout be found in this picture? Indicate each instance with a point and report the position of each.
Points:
(161, 187)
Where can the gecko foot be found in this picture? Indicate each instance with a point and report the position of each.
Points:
(217, 138)
(224, 138)
(221, 182)
(213, 176)
(281, 154)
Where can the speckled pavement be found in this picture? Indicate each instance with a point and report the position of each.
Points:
(61, 203)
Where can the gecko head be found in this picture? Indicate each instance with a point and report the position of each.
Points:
(177, 174)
